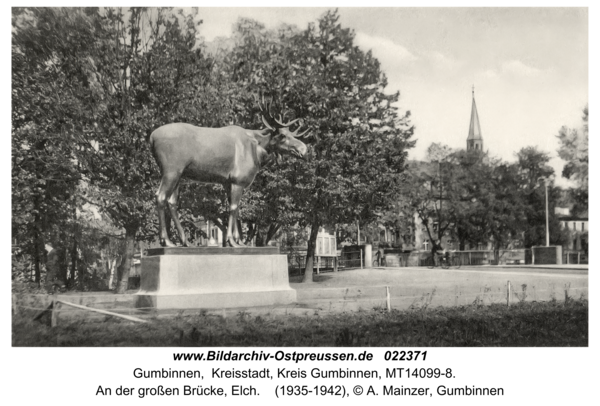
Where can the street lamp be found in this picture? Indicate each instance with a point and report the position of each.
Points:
(547, 180)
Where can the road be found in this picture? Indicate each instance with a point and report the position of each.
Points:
(419, 286)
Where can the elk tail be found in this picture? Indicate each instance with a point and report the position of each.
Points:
(150, 140)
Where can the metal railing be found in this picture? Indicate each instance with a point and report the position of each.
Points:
(475, 257)
(575, 257)
(297, 264)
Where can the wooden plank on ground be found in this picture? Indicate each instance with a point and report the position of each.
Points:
(123, 316)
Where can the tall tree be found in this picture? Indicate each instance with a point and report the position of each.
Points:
(149, 71)
(108, 78)
(430, 191)
(246, 65)
(469, 187)
(575, 151)
(49, 69)
(358, 140)
(503, 211)
(536, 179)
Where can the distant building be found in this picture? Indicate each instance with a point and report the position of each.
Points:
(577, 226)
(474, 139)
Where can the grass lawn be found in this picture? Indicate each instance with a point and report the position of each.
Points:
(551, 323)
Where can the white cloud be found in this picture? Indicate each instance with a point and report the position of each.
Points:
(513, 68)
(519, 68)
(384, 49)
(490, 74)
(443, 61)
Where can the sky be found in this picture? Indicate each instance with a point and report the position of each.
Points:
(528, 67)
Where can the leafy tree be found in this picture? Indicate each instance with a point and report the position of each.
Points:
(111, 76)
(469, 188)
(432, 191)
(98, 81)
(149, 71)
(535, 177)
(358, 141)
(504, 213)
(574, 149)
(46, 80)
(478, 199)
(231, 99)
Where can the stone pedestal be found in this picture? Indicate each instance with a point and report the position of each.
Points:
(213, 277)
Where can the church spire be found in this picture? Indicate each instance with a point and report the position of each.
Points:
(474, 140)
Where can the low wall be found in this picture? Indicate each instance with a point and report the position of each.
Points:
(547, 255)
(396, 257)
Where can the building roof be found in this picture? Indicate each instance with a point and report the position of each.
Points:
(474, 128)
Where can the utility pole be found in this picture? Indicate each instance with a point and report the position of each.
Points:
(547, 229)
(546, 181)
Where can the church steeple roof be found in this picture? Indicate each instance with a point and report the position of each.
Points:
(474, 128)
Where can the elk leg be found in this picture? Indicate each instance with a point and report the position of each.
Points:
(172, 201)
(167, 184)
(235, 195)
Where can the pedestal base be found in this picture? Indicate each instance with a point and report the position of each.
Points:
(212, 277)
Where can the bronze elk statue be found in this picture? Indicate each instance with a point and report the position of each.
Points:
(231, 156)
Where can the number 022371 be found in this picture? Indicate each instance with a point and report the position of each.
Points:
(405, 355)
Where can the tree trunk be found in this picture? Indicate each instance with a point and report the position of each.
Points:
(224, 242)
(461, 245)
(273, 230)
(64, 267)
(110, 266)
(74, 265)
(260, 241)
(37, 258)
(81, 274)
(310, 252)
(39, 249)
(496, 248)
(124, 268)
(251, 232)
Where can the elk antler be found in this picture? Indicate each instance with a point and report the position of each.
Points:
(268, 119)
(266, 116)
(295, 133)
(301, 134)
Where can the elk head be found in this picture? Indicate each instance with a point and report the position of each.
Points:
(282, 139)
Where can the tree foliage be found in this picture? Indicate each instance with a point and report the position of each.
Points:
(90, 85)
(357, 140)
(98, 81)
(574, 150)
(478, 199)
(46, 74)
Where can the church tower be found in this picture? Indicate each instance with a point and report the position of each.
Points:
(474, 140)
